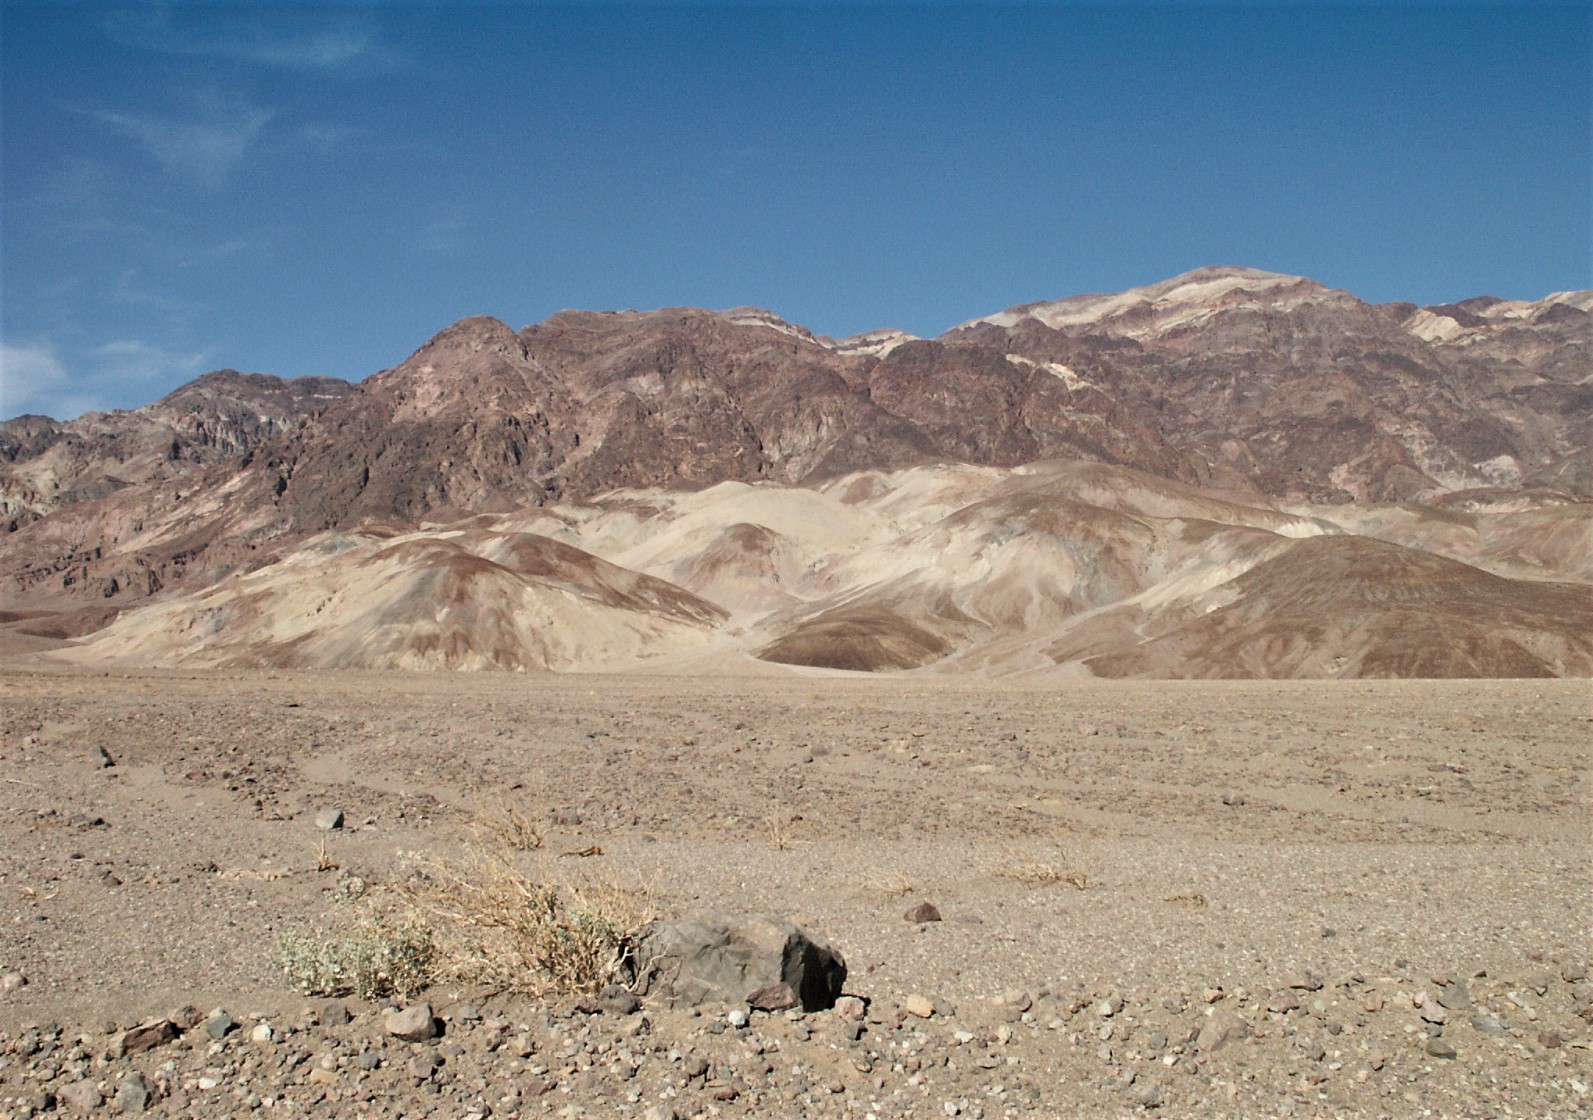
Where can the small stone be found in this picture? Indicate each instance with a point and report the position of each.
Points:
(1306, 982)
(335, 1013)
(146, 1036)
(616, 999)
(261, 1033)
(851, 1008)
(322, 1076)
(1434, 1013)
(737, 1018)
(923, 912)
(329, 820)
(1148, 1096)
(1487, 1024)
(1438, 1048)
(1456, 997)
(1550, 1040)
(918, 1006)
(186, 1017)
(467, 1013)
(103, 759)
(13, 982)
(368, 1060)
(84, 1096)
(660, 1112)
(219, 1025)
(773, 997)
(1573, 972)
(412, 1024)
(1220, 1028)
(133, 1094)
(422, 1066)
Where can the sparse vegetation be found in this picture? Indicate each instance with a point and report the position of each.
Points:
(380, 959)
(497, 924)
(511, 827)
(1061, 864)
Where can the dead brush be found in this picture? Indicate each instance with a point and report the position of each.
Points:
(1061, 864)
(510, 827)
(563, 933)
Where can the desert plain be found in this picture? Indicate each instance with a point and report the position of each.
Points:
(1170, 898)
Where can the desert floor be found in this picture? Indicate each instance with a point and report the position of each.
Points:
(1117, 866)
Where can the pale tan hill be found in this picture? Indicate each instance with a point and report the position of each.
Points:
(473, 599)
(1354, 607)
(1055, 567)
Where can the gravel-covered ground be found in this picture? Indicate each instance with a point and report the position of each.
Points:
(1173, 899)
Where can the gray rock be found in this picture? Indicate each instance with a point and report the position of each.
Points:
(368, 1060)
(1221, 1027)
(660, 1112)
(923, 912)
(84, 1096)
(412, 1024)
(1456, 997)
(329, 819)
(103, 759)
(133, 1094)
(616, 999)
(1438, 1048)
(219, 1025)
(726, 957)
(334, 1013)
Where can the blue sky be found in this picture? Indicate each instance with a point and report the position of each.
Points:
(319, 188)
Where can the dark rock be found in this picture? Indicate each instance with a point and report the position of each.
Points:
(334, 1013)
(774, 997)
(146, 1036)
(616, 999)
(726, 957)
(923, 912)
(133, 1094)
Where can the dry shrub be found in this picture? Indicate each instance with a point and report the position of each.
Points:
(564, 933)
(509, 827)
(1061, 863)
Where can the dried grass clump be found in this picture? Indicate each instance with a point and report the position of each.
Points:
(509, 827)
(566, 933)
(1061, 864)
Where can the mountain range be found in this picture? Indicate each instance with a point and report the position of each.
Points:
(1228, 473)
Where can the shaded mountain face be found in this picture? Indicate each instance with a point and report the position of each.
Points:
(222, 416)
(1249, 382)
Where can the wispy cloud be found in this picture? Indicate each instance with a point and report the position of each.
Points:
(35, 377)
(290, 37)
(131, 363)
(203, 145)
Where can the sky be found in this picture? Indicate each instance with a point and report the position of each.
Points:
(319, 188)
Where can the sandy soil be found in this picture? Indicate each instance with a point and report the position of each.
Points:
(1320, 860)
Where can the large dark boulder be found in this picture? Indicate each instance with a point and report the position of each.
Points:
(726, 958)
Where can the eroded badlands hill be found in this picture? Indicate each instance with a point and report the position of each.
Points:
(1262, 409)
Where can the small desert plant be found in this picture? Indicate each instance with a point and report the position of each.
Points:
(1061, 864)
(563, 933)
(509, 827)
(379, 959)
